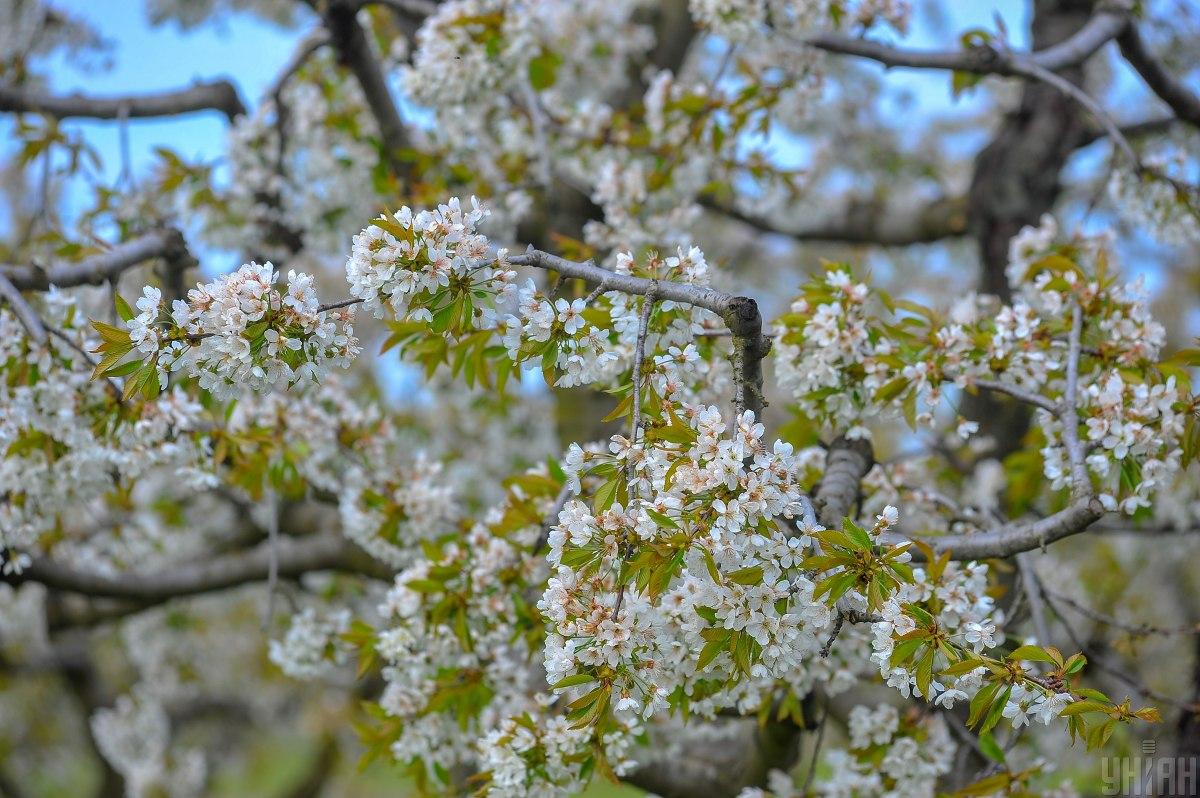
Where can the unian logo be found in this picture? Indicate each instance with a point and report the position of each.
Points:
(1149, 774)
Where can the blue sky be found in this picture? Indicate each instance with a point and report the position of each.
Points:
(250, 52)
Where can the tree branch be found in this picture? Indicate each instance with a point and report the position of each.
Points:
(166, 243)
(867, 222)
(739, 313)
(1134, 629)
(296, 557)
(355, 53)
(29, 320)
(218, 95)
(985, 60)
(1081, 484)
(847, 461)
(308, 46)
(1171, 90)
(1013, 538)
(1020, 394)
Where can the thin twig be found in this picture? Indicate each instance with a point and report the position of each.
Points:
(551, 519)
(639, 355)
(1082, 485)
(1099, 662)
(1135, 629)
(838, 620)
(816, 752)
(1020, 394)
(345, 303)
(1037, 608)
(273, 558)
(25, 314)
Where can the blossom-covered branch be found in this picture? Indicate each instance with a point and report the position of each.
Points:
(739, 313)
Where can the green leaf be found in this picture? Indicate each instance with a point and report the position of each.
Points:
(990, 749)
(677, 433)
(857, 534)
(123, 309)
(108, 332)
(994, 714)
(891, 390)
(1080, 707)
(710, 651)
(606, 494)
(1031, 654)
(573, 680)
(543, 70)
(747, 576)
(123, 370)
(980, 703)
(662, 520)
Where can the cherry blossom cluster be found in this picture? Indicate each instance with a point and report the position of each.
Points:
(685, 572)
(65, 443)
(466, 49)
(303, 162)
(405, 261)
(135, 737)
(594, 343)
(458, 642)
(1134, 411)
(889, 753)
(847, 355)
(932, 641)
(240, 331)
(312, 646)
(522, 758)
(390, 510)
(828, 352)
(1149, 200)
(433, 269)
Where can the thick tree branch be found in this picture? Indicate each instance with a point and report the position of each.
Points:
(867, 222)
(847, 461)
(166, 243)
(986, 60)
(355, 53)
(296, 557)
(1170, 89)
(218, 95)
